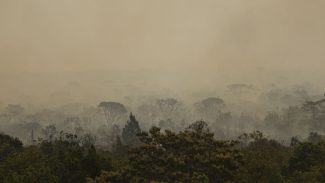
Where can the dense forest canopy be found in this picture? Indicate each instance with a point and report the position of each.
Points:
(190, 155)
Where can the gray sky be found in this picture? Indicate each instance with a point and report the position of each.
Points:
(211, 35)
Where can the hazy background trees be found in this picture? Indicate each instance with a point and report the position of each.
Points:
(280, 112)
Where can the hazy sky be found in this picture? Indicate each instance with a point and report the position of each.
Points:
(216, 35)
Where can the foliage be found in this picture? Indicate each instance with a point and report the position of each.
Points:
(130, 131)
(307, 163)
(112, 111)
(192, 155)
(8, 146)
(264, 159)
(189, 156)
(51, 161)
(210, 107)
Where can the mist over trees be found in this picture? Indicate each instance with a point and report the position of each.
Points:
(169, 91)
(246, 136)
(278, 113)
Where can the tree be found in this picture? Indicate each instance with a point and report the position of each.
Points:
(50, 132)
(311, 107)
(91, 162)
(8, 146)
(317, 111)
(62, 160)
(210, 107)
(130, 131)
(115, 132)
(112, 111)
(168, 106)
(315, 138)
(88, 140)
(292, 114)
(264, 159)
(118, 147)
(30, 166)
(192, 155)
(307, 163)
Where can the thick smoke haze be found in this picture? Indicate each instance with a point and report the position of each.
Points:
(215, 36)
(54, 53)
(208, 43)
(233, 39)
(162, 91)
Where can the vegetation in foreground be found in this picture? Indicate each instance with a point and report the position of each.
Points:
(192, 155)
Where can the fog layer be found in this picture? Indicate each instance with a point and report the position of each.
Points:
(256, 56)
(215, 36)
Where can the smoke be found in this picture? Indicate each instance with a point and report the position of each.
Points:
(221, 36)
(58, 52)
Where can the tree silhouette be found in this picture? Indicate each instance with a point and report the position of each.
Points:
(112, 111)
(130, 131)
(210, 107)
(168, 106)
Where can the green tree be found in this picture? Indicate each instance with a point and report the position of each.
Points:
(264, 159)
(307, 163)
(192, 155)
(130, 131)
(62, 161)
(113, 111)
(8, 146)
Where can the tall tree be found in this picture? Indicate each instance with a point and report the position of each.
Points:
(210, 107)
(112, 111)
(130, 131)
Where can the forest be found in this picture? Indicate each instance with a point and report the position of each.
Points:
(109, 143)
(167, 91)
